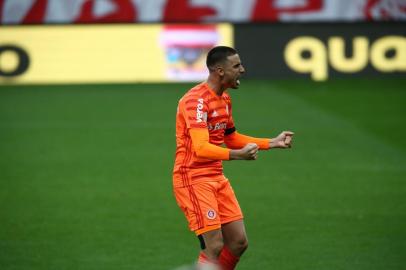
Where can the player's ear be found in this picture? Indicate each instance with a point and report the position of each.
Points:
(220, 70)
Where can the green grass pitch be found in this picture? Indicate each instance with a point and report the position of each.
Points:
(85, 176)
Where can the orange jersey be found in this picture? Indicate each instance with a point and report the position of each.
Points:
(200, 107)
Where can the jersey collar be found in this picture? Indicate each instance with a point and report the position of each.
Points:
(213, 93)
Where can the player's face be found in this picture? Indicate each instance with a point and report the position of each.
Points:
(233, 70)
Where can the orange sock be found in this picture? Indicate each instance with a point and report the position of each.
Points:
(203, 258)
(204, 262)
(228, 260)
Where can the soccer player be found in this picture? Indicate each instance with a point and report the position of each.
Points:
(203, 123)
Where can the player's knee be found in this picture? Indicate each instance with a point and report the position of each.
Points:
(244, 245)
(215, 248)
(239, 246)
(212, 244)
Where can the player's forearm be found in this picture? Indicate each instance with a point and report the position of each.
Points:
(204, 149)
(236, 140)
(211, 151)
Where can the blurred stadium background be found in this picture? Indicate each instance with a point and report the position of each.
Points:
(88, 95)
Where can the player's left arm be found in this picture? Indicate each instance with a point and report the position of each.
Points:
(283, 140)
(235, 140)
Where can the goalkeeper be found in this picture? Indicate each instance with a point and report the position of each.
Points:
(204, 122)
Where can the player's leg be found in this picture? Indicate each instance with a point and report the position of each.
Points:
(233, 228)
(209, 233)
(235, 237)
(211, 243)
(223, 247)
(199, 204)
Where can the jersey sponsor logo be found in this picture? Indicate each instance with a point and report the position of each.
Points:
(217, 126)
(200, 116)
(211, 214)
(220, 126)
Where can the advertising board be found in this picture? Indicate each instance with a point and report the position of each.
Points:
(108, 53)
(322, 51)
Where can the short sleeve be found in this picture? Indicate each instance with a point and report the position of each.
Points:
(194, 110)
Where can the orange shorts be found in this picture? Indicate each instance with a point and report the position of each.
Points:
(207, 205)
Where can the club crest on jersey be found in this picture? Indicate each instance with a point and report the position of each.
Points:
(211, 214)
(200, 115)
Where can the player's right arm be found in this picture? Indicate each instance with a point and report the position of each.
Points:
(204, 149)
(194, 110)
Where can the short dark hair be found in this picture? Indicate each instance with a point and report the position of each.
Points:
(218, 54)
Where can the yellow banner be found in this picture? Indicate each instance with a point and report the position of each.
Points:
(107, 53)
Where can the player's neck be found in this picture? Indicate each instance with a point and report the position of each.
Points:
(216, 86)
